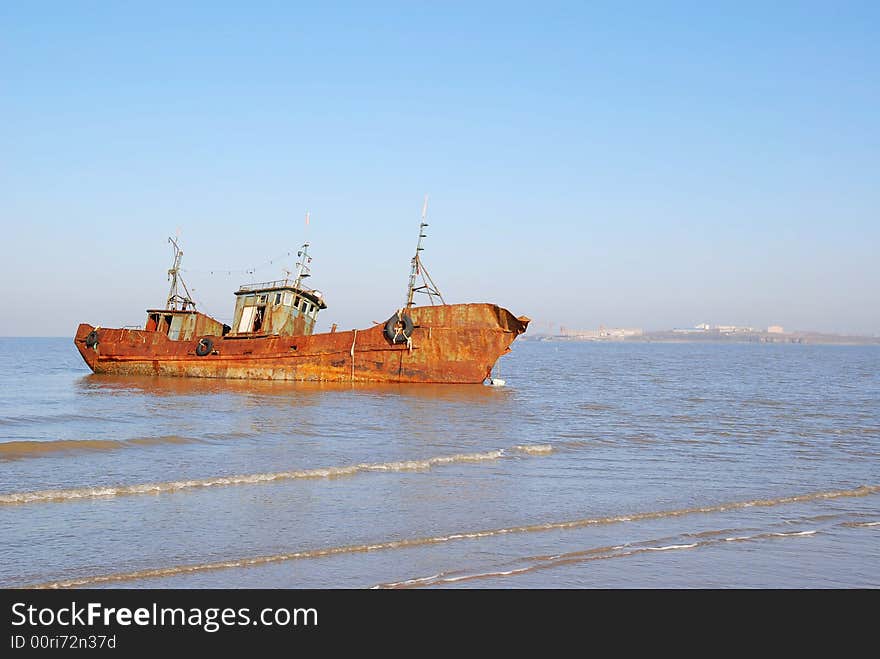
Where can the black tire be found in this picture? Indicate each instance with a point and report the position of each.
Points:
(205, 347)
(398, 329)
(92, 339)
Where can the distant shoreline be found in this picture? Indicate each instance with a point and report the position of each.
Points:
(811, 338)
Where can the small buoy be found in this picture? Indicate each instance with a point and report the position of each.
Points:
(496, 382)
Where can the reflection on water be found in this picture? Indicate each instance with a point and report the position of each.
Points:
(171, 386)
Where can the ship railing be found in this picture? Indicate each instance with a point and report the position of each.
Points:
(278, 283)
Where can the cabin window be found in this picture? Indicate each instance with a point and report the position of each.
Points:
(277, 298)
(288, 298)
(264, 299)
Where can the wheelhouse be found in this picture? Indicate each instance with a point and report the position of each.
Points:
(276, 308)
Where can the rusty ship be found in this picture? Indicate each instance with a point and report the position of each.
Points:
(272, 336)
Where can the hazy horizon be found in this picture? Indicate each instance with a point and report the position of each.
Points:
(651, 166)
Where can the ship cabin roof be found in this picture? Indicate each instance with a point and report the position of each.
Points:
(283, 285)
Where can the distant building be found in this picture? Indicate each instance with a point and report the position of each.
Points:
(730, 329)
(619, 332)
(706, 327)
(580, 335)
(776, 329)
(606, 333)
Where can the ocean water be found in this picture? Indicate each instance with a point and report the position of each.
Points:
(597, 466)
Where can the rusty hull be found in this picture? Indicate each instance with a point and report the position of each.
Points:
(455, 344)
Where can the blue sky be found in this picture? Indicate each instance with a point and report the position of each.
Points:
(642, 164)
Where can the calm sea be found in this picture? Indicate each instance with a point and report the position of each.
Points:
(598, 465)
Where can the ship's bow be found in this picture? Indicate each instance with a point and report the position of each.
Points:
(460, 342)
(88, 353)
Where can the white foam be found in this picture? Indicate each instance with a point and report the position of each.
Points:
(408, 582)
(481, 575)
(534, 449)
(668, 547)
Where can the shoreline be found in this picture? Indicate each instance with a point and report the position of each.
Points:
(739, 338)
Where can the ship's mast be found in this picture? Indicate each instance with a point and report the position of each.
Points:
(174, 298)
(302, 266)
(418, 268)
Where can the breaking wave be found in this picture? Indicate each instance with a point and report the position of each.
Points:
(98, 492)
(534, 449)
(535, 563)
(606, 552)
